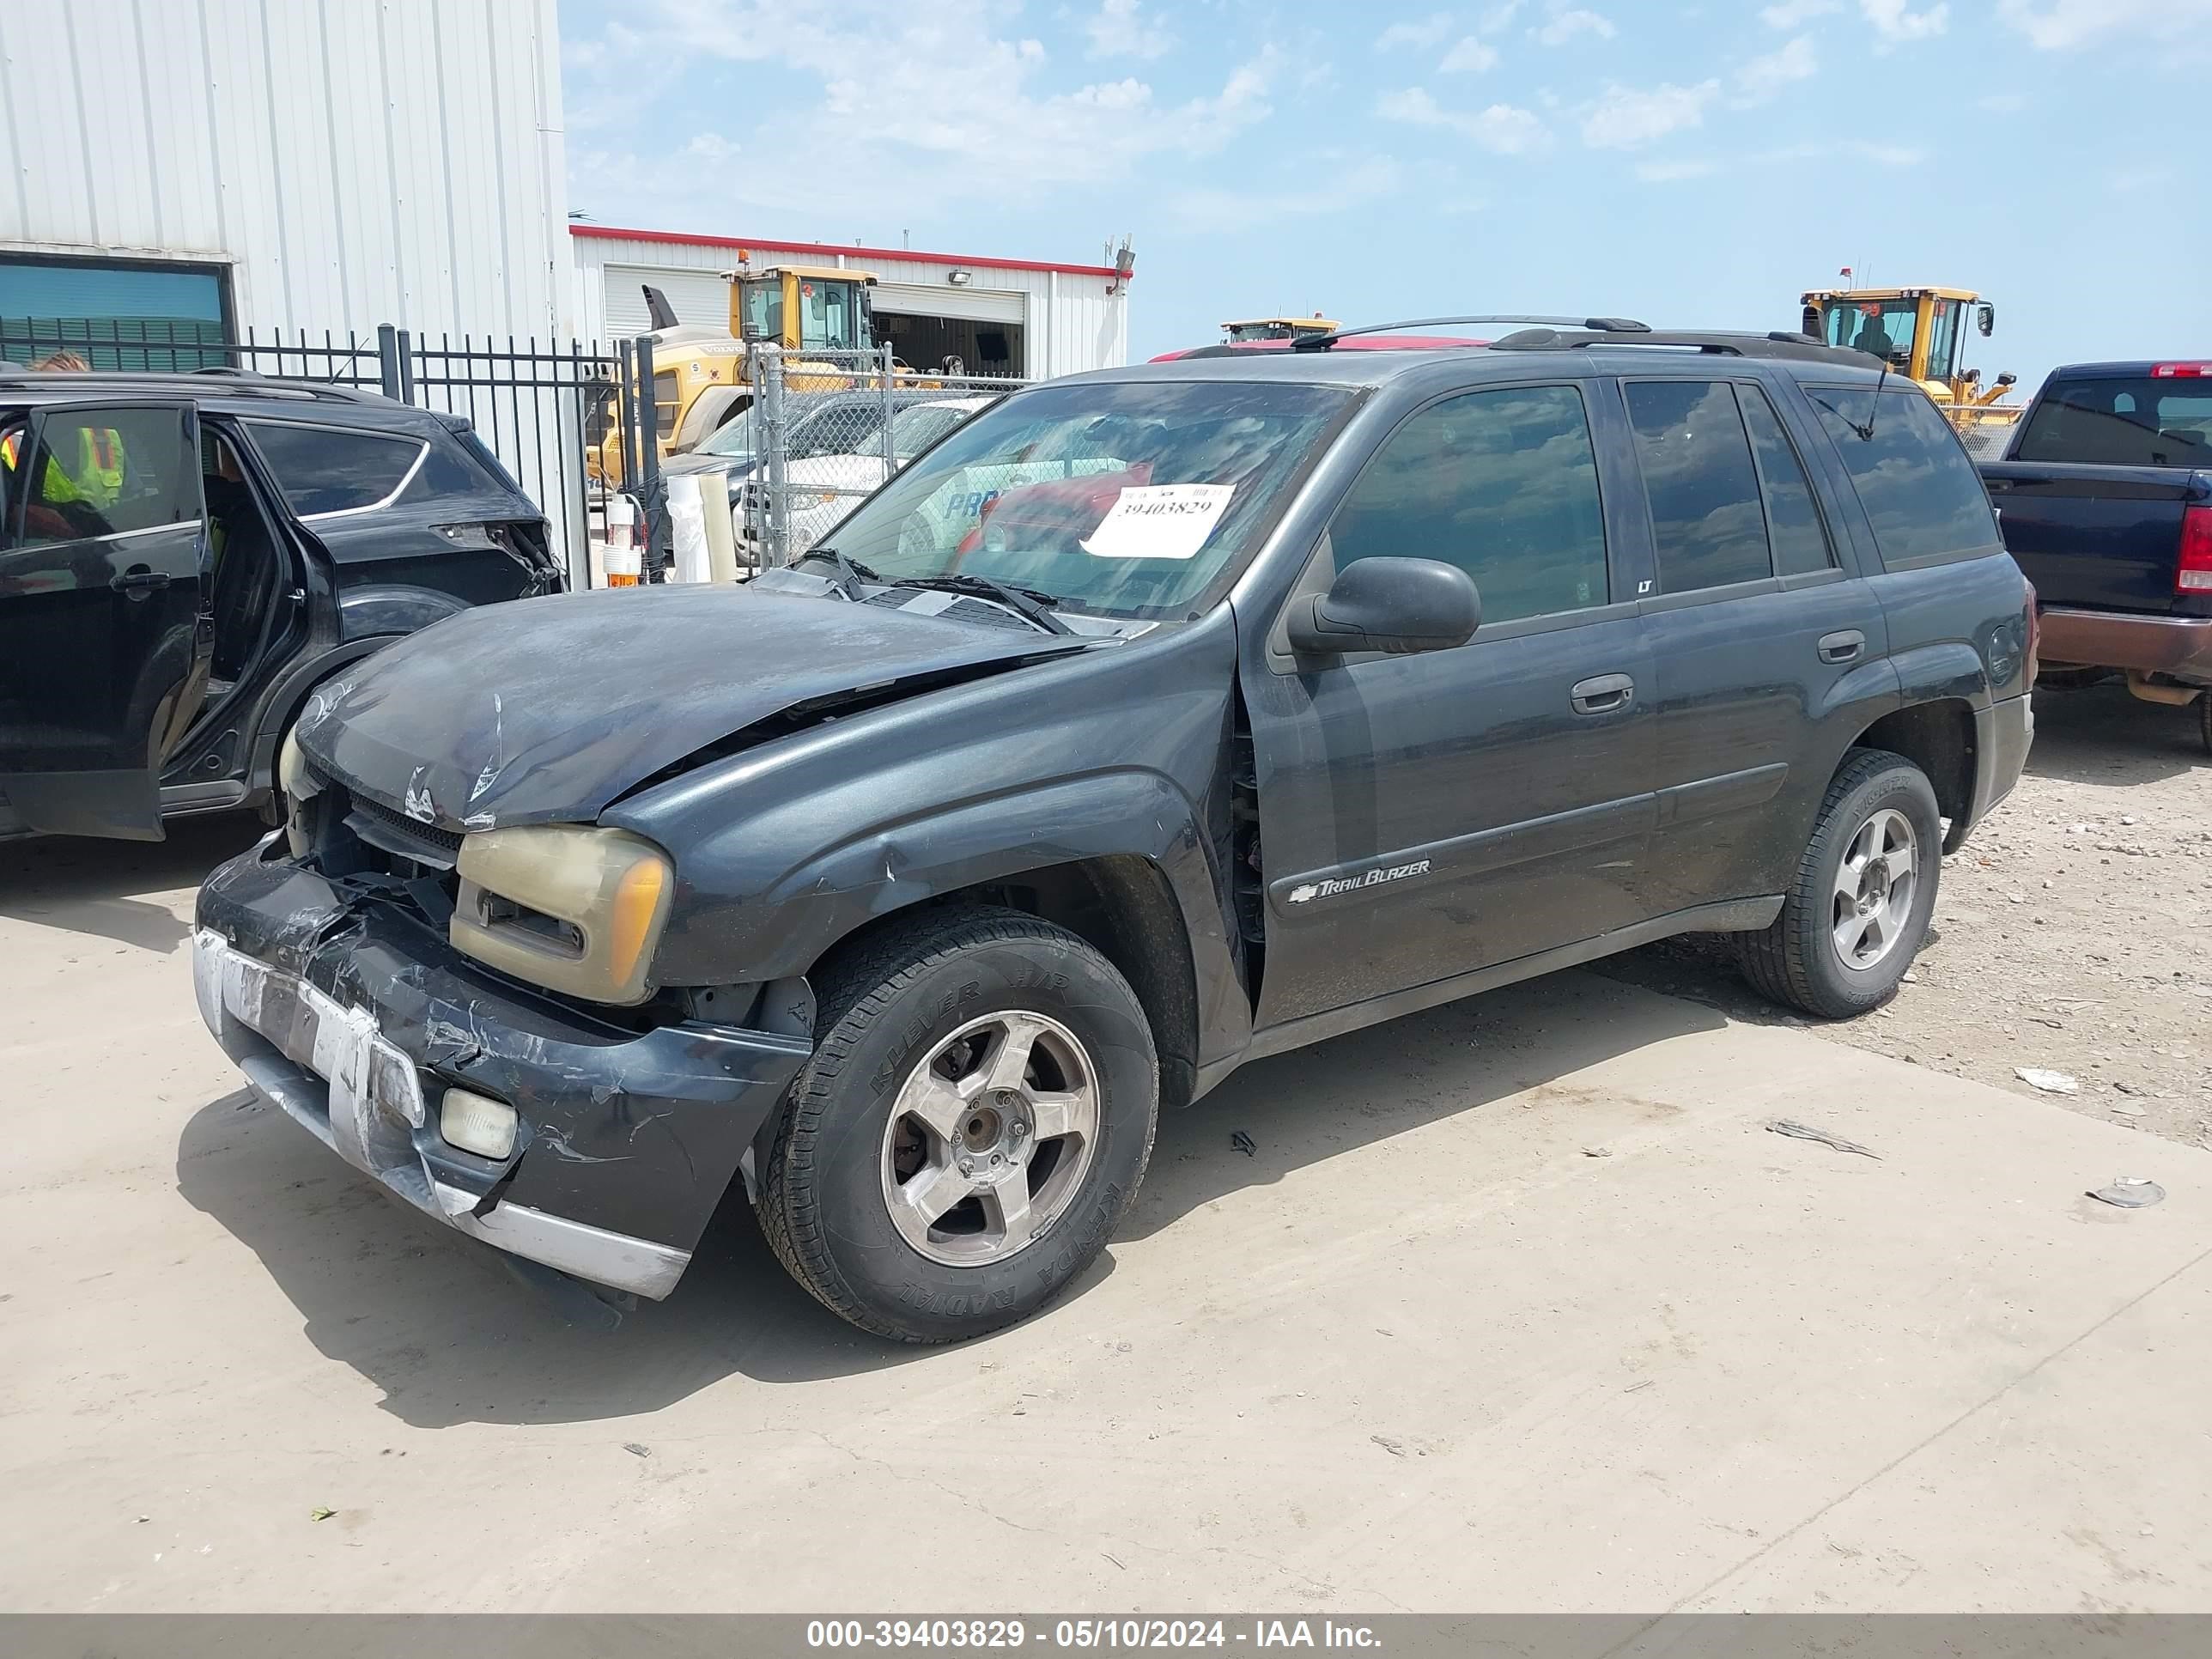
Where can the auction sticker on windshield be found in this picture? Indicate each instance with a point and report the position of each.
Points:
(1159, 521)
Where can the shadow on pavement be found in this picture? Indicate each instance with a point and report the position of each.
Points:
(449, 1337)
(87, 886)
(2104, 735)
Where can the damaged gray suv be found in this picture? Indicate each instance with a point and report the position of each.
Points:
(1151, 722)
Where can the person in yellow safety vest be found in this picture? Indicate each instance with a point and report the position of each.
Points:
(96, 476)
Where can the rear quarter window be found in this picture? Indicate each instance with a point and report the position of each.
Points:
(1922, 496)
(325, 470)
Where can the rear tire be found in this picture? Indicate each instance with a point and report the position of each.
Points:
(1858, 909)
(972, 1126)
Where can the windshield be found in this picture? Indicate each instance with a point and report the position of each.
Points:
(914, 430)
(734, 439)
(1126, 499)
(1883, 327)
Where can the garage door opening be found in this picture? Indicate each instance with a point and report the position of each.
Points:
(981, 348)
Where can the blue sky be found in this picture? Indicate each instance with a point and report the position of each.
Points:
(1698, 165)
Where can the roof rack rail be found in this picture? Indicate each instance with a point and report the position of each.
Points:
(1607, 325)
(1779, 342)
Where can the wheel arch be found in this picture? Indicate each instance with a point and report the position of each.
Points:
(1123, 906)
(1939, 737)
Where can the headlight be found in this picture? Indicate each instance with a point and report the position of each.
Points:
(571, 908)
(293, 776)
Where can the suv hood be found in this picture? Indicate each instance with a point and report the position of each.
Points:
(548, 709)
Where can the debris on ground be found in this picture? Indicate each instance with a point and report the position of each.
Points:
(1396, 1448)
(2051, 1081)
(2129, 1193)
(1782, 1126)
(636, 1450)
(1597, 1151)
(1244, 1143)
(320, 1514)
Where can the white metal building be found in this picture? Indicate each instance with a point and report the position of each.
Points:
(1020, 317)
(333, 166)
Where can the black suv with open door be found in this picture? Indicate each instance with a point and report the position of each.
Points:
(185, 558)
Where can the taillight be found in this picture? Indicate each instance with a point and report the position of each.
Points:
(2034, 631)
(2194, 574)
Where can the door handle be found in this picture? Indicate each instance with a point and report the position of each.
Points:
(139, 580)
(1844, 647)
(1606, 694)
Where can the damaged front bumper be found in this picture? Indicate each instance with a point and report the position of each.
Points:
(347, 1011)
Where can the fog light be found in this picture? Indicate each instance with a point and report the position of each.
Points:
(477, 1124)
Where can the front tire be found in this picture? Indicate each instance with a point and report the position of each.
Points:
(1858, 910)
(972, 1126)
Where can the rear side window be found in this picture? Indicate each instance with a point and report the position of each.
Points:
(87, 473)
(324, 469)
(2121, 421)
(1502, 483)
(1793, 518)
(1922, 496)
(1706, 519)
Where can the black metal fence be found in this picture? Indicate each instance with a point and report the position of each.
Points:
(545, 408)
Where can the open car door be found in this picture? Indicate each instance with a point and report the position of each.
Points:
(105, 633)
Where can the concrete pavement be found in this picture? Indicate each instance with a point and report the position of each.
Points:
(1421, 1352)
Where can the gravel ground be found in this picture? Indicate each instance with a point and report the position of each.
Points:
(2073, 934)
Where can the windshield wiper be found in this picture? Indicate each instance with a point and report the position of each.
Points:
(1021, 601)
(850, 573)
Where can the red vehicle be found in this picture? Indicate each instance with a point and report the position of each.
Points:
(1348, 343)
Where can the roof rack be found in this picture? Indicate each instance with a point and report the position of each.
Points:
(213, 383)
(1607, 324)
(1779, 343)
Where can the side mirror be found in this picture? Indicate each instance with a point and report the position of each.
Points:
(1396, 605)
(2007, 379)
(1985, 318)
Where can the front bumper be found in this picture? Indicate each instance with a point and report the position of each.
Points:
(2179, 646)
(347, 1012)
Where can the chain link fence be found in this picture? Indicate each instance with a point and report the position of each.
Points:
(826, 430)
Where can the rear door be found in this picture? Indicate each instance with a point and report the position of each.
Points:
(104, 628)
(399, 507)
(1424, 817)
(1768, 651)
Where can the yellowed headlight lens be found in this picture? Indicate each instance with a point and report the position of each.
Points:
(565, 905)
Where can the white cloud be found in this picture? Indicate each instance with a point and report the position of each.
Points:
(1791, 14)
(1119, 29)
(887, 70)
(1499, 17)
(2063, 24)
(1628, 118)
(1428, 32)
(1896, 21)
(1501, 129)
(1675, 170)
(1764, 78)
(1352, 183)
(1469, 57)
(1668, 173)
(1562, 23)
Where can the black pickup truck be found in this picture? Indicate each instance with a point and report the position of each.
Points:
(1152, 721)
(2105, 500)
